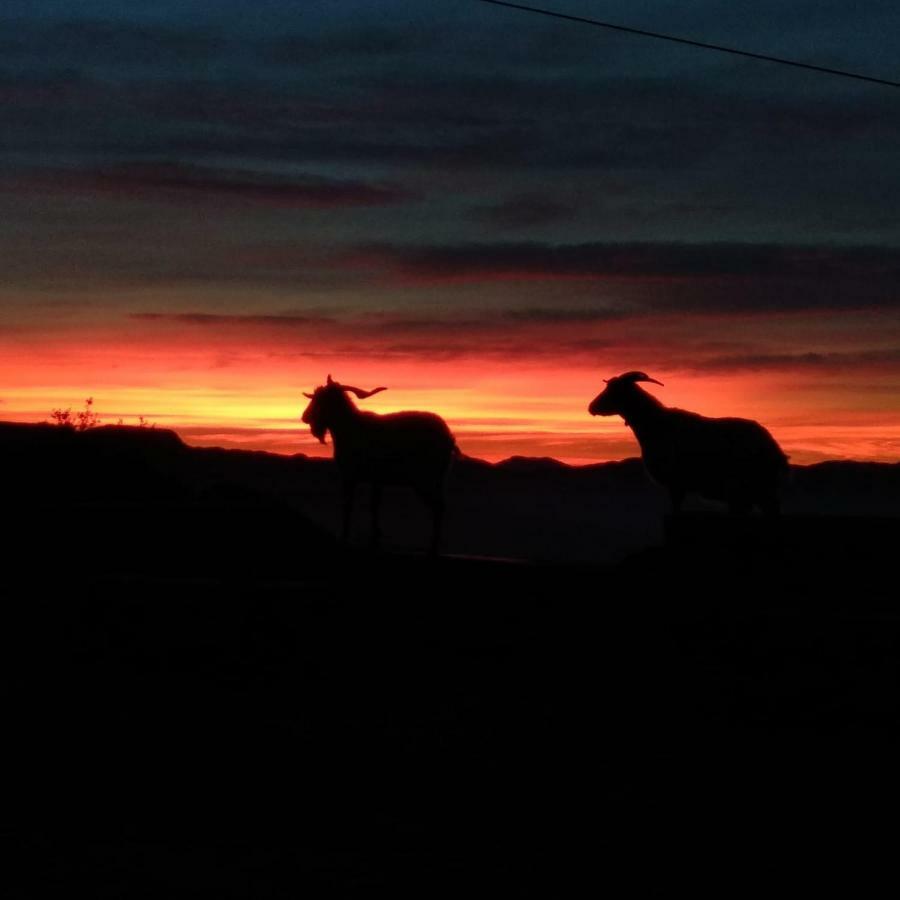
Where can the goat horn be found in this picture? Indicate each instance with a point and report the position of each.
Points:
(329, 380)
(361, 394)
(639, 376)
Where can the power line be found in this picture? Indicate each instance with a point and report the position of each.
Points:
(691, 43)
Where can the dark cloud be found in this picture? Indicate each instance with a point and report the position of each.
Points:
(377, 91)
(188, 182)
(91, 41)
(736, 275)
(379, 144)
(829, 362)
(529, 260)
(551, 315)
(349, 44)
(216, 319)
(523, 211)
(399, 335)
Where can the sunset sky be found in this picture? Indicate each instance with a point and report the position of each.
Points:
(207, 207)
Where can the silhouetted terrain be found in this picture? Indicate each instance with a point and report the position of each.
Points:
(536, 509)
(205, 695)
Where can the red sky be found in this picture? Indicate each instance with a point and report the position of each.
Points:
(239, 383)
(205, 212)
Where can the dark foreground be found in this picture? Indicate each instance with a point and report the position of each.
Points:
(712, 720)
(204, 696)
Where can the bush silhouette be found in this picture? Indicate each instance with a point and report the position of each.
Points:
(87, 418)
(80, 421)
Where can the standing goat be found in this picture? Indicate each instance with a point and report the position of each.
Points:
(407, 448)
(732, 460)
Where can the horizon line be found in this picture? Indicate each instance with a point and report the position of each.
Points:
(328, 457)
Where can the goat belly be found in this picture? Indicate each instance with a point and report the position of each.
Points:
(388, 464)
(390, 469)
(719, 475)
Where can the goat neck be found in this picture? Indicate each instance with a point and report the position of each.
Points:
(344, 420)
(642, 412)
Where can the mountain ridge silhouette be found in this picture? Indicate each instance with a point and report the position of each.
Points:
(535, 508)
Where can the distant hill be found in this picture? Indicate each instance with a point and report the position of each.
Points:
(127, 492)
(118, 499)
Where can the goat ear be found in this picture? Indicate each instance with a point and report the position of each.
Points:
(308, 396)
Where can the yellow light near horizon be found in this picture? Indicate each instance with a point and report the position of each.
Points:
(536, 409)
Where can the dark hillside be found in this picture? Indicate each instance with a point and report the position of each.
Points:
(205, 696)
(521, 508)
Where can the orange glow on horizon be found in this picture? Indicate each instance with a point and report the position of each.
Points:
(250, 395)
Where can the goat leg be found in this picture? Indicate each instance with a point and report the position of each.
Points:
(349, 491)
(376, 509)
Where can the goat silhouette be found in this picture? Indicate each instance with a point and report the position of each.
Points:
(404, 448)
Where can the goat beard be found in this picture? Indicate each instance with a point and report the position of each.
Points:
(318, 433)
